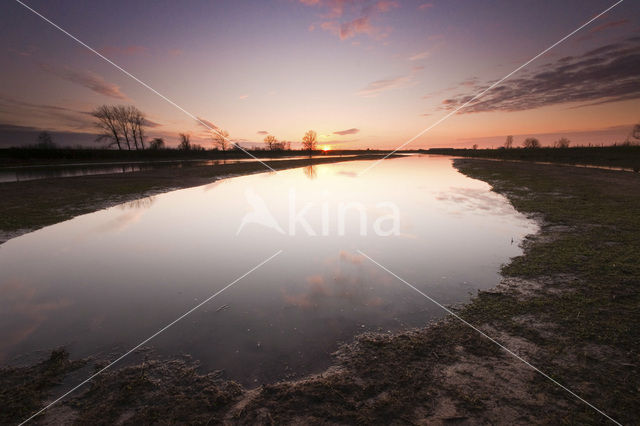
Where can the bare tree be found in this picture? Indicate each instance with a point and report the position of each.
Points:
(45, 141)
(271, 141)
(562, 143)
(531, 143)
(636, 131)
(122, 116)
(220, 138)
(138, 121)
(309, 141)
(108, 124)
(185, 142)
(509, 142)
(156, 143)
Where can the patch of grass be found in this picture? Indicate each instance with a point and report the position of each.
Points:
(592, 233)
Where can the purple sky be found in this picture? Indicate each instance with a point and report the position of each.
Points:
(360, 73)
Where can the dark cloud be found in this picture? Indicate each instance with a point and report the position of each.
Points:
(88, 79)
(50, 116)
(262, 132)
(14, 136)
(150, 123)
(606, 74)
(352, 131)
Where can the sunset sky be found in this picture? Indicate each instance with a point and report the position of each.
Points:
(360, 73)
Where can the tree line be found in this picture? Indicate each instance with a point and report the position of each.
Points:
(123, 126)
(309, 142)
(531, 143)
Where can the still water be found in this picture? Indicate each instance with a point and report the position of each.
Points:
(24, 173)
(102, 282)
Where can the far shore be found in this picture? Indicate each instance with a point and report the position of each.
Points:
(30, 205)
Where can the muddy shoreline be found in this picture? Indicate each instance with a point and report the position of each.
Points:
(568, 306)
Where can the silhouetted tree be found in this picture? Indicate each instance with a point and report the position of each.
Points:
(509, 142)
(562, 143)
(156, 143)
(220, 139)
(636, 132)
(121, 122)
(185, 142)
(531, 143)
(108, 124)
(138, 122)
(45, 141)
(270, 141)
(309, 141)
(122, 115)
(475, 146)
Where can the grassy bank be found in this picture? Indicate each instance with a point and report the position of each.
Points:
(626, 157)
(30, 205)
(569, 306)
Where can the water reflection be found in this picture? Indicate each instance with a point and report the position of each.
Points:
(310, 172)
(25, 173)
(104, 281)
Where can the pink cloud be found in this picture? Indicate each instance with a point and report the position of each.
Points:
(425, 6)
(359, 20)
(379, 86)
(421, 55)
(611, 24)
(386, 5)
(352, 131)
(124, 50)
(360, 25)
(603, 27)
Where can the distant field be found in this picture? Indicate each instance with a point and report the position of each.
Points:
(627, 157)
